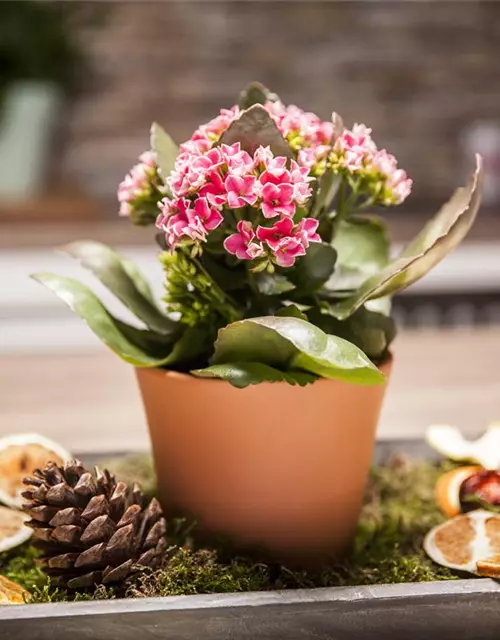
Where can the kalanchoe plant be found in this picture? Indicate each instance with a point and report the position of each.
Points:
(273, 270)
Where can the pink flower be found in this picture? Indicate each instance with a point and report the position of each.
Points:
(229, 150)
(285, 244)
(207, 214)
(240, 191)
(288, 250)
(400, 186)
(214, 189)
(397, 185)
(208, 162)
(242, 244)
(216, 127)
(277, 200)
(276, 170)
(307, 231)
(354, 149)
(240, 163)
(300, 179)
(263, 155)
(272, 236)
(140, 182)
(303, 129)
(148, 159)
(180, 221)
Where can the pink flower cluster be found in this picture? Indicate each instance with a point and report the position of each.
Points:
(138, 183)
(205, 184)
(283, 242)
(356, 153)
(309, 136)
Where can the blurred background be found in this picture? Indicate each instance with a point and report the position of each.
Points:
(80, 83)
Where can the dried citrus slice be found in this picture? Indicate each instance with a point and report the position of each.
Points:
(13, 531)
(465, 540)
(450, 443)
(448, 489)
(489, 567)
(11, 593)
(19, 455)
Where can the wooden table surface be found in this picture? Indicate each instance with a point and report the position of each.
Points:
(89, 402)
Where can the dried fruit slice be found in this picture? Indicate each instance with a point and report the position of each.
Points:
(450, 443)
(448, 489)
(464, 541)
(11, 593)
(489, 567)
(13, 531)
(19, 455)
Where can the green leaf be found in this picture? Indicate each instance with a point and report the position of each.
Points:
(165, 148)
(272, 284)
(291, 343)
(291, 311)
(123, 278)
(315, 268)
(126, 341)
(328, 186)
(255, 93)
(243, 374)
(362, 247)
(228, 279)
(338, 126)
(255, 128)
(195, 343)
(439, 237)
(372, 332)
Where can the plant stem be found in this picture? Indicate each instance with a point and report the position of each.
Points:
(222, 295)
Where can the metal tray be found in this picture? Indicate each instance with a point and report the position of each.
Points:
(454, 610)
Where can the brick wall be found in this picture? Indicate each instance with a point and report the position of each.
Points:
(419, 73)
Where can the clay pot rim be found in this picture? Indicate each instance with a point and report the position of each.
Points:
(385, 367)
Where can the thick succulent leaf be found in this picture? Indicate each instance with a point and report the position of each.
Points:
(255, 93)
(165, 148)
(195, 344)
(362, 247)
(272, 284)
(439, 237)
(243, 374)
(291, 311)
(228, 278)
(126, 341)
(255, 128)
(123, 278)
(338, 126)
(315, 268)
(328, 186)
(372, 332)
(291, 343)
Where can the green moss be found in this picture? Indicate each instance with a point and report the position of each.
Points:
(398, 512)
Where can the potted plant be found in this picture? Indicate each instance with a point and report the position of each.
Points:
(263, 375)
(38, 62)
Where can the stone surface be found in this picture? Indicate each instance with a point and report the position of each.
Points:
(419, 73)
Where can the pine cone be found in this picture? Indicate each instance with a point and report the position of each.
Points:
(92, 530)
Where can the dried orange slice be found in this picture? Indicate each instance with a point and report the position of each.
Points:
(465, 541)
(19, 455)
(448, 440)
(448, 489)
(11, 593)
(13, 531)
(489, 567)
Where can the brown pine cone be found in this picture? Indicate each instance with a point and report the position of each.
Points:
(92, 529)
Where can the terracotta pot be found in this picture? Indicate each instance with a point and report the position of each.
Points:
(273, 465)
